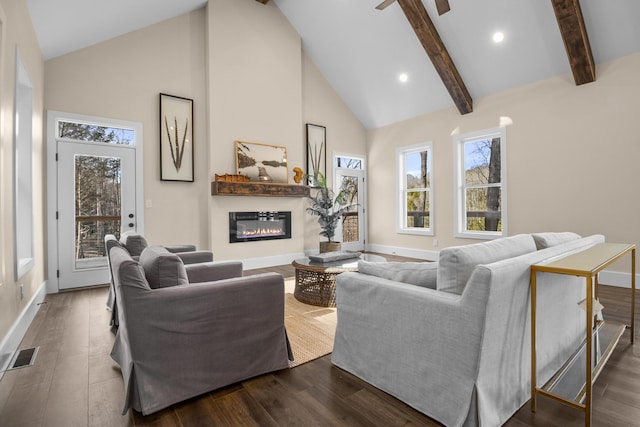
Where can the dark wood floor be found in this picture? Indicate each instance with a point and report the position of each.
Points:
(74, 382)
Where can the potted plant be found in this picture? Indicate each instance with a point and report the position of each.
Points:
(329, 208)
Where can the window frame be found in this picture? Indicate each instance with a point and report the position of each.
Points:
(401, 187)
(460, 186)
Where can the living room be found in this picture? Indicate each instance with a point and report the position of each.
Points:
(571, 150)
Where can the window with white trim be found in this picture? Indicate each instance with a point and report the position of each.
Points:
(480, 178)
(415, 195)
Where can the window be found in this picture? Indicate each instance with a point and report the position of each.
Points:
(347, 162)
(23, 179)
(94, 133)
(415, 214)
(480, 176)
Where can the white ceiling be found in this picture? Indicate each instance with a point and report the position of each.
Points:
(63, 26)
(361, 50)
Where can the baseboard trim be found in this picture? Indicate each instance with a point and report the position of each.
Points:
(14, 337)
(270, 261)
(407, 252)
(617, 278)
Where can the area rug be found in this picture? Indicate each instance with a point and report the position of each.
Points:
(310, 329)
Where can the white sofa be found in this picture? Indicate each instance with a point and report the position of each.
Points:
(455, 342)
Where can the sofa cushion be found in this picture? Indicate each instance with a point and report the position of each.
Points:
(457, 263)
(162, 268)
(414, 273)
(546, 240)
(133, 242)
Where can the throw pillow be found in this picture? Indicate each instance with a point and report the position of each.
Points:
(414, 273)
(457, 263)
(162, 268)
(547, 240)
(133, 242)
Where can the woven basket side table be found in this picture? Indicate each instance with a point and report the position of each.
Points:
(316, 282)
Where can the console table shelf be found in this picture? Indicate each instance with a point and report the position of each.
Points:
(573, 383)
(228, 188)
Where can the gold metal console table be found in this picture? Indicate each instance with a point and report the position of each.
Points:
(588, 264)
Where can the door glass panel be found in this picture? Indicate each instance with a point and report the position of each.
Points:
(97, 207)
(350, 220)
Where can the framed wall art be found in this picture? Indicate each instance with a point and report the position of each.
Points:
(176, 138)
(316, 152)
(262, 162)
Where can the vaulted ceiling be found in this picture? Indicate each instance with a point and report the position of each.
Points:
(448, 60)
(362, 51)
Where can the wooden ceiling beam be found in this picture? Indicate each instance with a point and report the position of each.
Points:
(576, 41)
(437, 52)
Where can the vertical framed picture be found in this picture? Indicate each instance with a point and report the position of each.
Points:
(316, 153)
(176, 138)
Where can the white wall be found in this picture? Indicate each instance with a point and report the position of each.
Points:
(17, 33)
(572, 154)
(345, 134)
(122, 79)
(263, 88)
(243, 65)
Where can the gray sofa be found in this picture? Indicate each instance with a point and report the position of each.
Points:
(187, 330)
(455, 342)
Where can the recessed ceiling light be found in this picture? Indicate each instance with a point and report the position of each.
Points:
(403, 77)
(498, 36)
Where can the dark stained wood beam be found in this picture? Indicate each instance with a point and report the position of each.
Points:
(263, 1)
(576, 41)
(435, 48)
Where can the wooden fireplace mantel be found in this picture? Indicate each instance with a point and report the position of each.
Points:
(226, 188)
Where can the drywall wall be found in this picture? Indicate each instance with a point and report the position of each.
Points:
(122, 79)
(255, 95)
(17, 33)
(345, 134)
(572, 154)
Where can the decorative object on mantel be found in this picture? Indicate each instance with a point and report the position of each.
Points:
(230, 188)
(329, 208)
(262, 162)
(232, 178)
(176, 138)
(299, 174)
(316, 152)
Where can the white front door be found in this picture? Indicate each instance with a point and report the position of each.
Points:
(351, 228)
(96, 196)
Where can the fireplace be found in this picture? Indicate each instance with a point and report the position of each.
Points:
(255, 226)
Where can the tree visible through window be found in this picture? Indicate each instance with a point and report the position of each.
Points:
(415, 204)
(95, 133)
(480, 179)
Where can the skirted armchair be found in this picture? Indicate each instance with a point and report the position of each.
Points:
(453, 338)
(181, 335)
(135, 243)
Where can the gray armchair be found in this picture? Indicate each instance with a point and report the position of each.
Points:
(135, 243)
(189, 336)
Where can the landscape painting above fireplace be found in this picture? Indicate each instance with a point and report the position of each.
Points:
(262, 162)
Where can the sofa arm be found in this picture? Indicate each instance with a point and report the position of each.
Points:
(213, 271)
(195, 256)
(181, 248)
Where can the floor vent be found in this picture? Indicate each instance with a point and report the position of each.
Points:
(24, 358)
